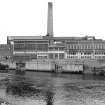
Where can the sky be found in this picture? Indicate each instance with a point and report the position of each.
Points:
(70, 18)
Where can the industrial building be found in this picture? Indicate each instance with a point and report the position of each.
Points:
(50, 47)
(37, 47)
(55, 50)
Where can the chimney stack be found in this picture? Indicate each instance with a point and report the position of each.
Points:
(50, 20)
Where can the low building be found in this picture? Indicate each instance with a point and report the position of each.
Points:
(5, 52)
(29, 47)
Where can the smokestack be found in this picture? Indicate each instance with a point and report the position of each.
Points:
(50, 19)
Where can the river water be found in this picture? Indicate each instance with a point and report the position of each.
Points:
(37, 88)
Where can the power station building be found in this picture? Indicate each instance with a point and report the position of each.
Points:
(30, 48)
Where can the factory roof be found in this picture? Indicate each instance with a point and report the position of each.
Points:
(24, 37)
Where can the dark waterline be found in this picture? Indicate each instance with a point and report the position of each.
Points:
(38, 88)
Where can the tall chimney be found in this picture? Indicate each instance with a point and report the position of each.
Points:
(50, 19)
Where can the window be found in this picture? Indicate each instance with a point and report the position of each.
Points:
(56, 56)
(61, 48)
(51, 56)
(61, 56)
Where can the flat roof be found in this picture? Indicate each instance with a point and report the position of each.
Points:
(68, 38)
(53, 38)
(24, 37)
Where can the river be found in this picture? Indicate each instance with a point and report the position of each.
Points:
(38, 88)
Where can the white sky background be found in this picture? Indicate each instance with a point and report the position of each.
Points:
(70, 18)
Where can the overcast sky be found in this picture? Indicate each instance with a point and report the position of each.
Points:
(71, 18)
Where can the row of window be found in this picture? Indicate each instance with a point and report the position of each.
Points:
(86, 53)
(24, 47)
(84, 57)
(74, 57)
(56, 49)
(42, 57)
(5, 57)
(56, 56)
(25, 42)
(76, 46)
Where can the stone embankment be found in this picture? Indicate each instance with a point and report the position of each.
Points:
(64, 65)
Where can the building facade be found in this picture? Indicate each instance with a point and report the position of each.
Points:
(28, 47)
(32, 48)
(86, 49)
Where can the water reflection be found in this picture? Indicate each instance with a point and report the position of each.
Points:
(92, 77)
(53, 89)
(21, 86)
(49, 98)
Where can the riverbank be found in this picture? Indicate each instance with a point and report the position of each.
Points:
(64, 66)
